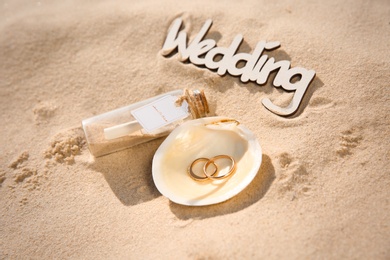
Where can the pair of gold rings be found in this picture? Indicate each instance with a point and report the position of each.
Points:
(208, 162)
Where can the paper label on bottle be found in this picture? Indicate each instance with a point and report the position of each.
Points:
(160, 113)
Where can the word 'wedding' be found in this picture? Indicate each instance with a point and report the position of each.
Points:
(258, 67)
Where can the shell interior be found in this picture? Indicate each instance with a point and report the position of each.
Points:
(205, 138)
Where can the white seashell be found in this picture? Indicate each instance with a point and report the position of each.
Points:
(205, 137)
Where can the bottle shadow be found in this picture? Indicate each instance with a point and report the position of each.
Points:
(250, 195)
(129, 173)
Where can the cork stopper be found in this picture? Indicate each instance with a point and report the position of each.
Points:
(197, 102)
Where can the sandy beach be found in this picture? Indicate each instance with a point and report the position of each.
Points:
(323, 188)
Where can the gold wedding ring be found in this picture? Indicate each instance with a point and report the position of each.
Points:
(207, 164)
(197, 177)
(212, 161)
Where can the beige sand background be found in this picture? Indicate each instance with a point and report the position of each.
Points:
(322, 191)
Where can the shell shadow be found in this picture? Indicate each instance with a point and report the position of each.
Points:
(129, 173)
(250, 195)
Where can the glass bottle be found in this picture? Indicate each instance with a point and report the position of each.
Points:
(143, 121)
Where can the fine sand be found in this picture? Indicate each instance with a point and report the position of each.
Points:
(323, 189)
